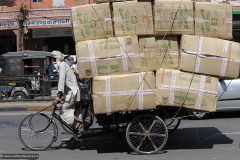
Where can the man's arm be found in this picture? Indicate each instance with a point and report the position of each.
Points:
(61, 84)
(57, 99)
(62, 77)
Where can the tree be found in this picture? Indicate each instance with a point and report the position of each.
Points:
(22, 18)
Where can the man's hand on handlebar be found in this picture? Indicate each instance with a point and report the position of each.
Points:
(55, 102)
(57, 99)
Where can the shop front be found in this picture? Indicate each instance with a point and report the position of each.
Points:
(45, 29)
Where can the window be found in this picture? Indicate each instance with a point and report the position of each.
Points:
(8, 3)
(37, 0)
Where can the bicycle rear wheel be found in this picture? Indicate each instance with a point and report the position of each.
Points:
(37, 131)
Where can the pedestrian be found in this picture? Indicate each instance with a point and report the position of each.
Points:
(68, 90)
(51, 69)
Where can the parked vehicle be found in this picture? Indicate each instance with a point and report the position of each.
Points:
(23, 75)
(228, 99)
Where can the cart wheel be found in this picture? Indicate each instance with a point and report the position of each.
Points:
(37, 131)
(172, 124)
(147, 134)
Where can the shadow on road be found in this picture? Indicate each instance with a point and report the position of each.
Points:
(186, 138)
(196, 138)
(107, 143)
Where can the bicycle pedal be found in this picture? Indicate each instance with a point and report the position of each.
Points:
(78, 139)
(71, 140)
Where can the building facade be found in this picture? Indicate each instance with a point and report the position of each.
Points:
(46, 24)
(37, 25)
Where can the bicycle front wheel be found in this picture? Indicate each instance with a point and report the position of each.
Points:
(32, 137)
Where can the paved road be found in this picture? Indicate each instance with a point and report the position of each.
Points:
(213, 139)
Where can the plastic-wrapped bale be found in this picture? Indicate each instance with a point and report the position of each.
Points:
(173, 17)
(132, 18)
(210, 56)
(121, 93)
(91, 21)
(159, 52)
(116, 55)
(182, 89)
(213, 20)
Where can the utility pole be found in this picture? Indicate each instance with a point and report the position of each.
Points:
(22, 17)
(2, 4)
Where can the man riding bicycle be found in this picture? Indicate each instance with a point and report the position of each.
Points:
(68, 91)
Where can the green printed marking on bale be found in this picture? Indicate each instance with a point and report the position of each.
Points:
(104, 68)
(183, 99)
(180, 16)
(114, 66)
(189, 79)
(127, 20)
(109, 46)
(86, 24)
(165, 50)
(207, 22)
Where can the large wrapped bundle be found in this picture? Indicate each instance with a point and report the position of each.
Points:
(104, 1)
(182, 89)
(173, 17)
(159, 52)
(91, 21)
(209, 56)
(76, 3)
(213, 20)
(121, 93)
(118, 55)
(132, 18)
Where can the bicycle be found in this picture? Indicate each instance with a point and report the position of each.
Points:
(38, 131)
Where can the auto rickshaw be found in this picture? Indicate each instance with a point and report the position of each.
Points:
(24, 75)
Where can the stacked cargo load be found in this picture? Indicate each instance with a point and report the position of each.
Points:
(159, 52)
(132, 18)
(173, 17)
(115, 55)
(213, 20)
(119, 43)
(176, 88)
(198, 54)
(126, 92)
(92, 21)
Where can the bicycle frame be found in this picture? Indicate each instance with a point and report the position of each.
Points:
(55, 115)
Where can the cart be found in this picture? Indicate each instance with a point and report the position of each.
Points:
(146, 131)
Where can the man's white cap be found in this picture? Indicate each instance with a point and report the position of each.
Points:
(58, 55)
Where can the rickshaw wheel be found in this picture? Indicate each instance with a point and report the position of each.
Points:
(19, 95)
(147, 134)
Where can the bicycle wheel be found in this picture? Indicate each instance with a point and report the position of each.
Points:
(37, 131)
(147, 134)
(172, 124)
